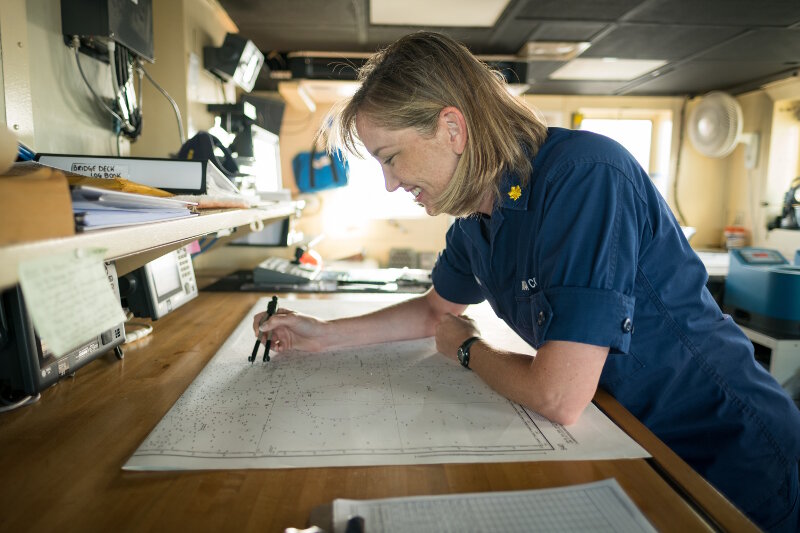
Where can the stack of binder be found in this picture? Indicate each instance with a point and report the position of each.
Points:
(96, 208)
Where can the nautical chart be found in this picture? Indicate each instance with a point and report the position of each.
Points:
(394, 403)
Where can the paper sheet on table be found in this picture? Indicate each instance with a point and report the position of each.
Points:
(69, 298)
(394, 403)
(598, 506)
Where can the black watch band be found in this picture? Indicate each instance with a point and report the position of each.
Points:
(463, 351)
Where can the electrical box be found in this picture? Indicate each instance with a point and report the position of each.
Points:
(126, 22)
(26, 363)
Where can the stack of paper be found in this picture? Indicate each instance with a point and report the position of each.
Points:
(96, 208)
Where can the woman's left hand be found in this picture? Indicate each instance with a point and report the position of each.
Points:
(452, 331)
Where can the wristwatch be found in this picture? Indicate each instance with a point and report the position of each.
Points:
(463, 352)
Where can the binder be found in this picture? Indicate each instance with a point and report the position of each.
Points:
(177, 176)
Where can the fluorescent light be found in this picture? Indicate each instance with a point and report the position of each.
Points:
(468, 13)
(551, 50)
(606, 69)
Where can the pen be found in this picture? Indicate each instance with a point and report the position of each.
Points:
(355, 524)
(271, 308)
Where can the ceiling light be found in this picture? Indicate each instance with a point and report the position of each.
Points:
(606, 69)
(551, 50)
(450, 13)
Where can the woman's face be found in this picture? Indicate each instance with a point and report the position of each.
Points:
(420, 165)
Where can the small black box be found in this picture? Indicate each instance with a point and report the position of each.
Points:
(126, 22)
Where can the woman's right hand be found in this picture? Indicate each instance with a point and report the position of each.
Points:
(292, 331)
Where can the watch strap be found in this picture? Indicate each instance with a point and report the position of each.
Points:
(463, 351)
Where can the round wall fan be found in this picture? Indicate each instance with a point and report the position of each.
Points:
(715, 127)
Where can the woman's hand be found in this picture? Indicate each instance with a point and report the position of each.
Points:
(452, 331)
(292, 331)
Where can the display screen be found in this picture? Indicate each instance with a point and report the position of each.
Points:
(762, 257)
(165, 276)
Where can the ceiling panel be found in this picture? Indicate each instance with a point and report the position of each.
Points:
(698, 77)
(594, 10)
(555, 30)
(649, 41)
(743, 13)
(708, 44)
(761, 45)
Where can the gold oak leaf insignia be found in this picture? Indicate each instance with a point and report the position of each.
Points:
(515, 193)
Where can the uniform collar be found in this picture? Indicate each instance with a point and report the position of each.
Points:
(513, 195)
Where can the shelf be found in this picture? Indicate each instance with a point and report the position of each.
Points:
(133, 240)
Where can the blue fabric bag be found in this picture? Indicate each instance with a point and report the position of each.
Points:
(317, 171)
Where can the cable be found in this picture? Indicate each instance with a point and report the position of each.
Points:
(112, 63)
(143, 331)
(27, 400)
(169, 98)
(681, 218)
(75, 46)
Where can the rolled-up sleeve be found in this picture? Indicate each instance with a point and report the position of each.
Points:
(587, 250)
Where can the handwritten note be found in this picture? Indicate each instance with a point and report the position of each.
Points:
(69, 298)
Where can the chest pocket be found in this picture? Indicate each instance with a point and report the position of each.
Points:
(533, 315)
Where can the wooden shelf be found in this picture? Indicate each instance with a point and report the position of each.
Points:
(141, 239)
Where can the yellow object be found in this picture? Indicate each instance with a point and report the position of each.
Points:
(515, 193)
(117, 184)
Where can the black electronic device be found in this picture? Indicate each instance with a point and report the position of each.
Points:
(27, 366)
(238, 60)
(269, 111)
(160, 286)
(790, 215)
(280, 271)
(274, 234)
(126, 22)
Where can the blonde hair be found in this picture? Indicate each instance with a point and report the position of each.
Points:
(408, 83)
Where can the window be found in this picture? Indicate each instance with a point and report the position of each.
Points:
(633, 134)
(645, 134)
(365, 199)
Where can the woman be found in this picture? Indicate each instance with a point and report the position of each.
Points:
(567, 238)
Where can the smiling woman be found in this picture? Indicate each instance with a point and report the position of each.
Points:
(366, 189)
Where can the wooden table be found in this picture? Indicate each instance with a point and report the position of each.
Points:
(61, 458)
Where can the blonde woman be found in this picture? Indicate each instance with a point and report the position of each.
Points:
(567, 238)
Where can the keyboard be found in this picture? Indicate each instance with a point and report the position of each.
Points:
(277, 270)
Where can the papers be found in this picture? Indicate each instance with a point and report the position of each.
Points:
(599, 506)
(386, 404)
(69, 298)
(96, 208)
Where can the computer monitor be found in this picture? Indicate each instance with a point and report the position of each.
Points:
(258, 155)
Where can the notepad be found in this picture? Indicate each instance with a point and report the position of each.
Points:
(598, 506)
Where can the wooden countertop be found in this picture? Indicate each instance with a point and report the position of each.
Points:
(61, 458)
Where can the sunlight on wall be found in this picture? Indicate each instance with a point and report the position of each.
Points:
(351, 209)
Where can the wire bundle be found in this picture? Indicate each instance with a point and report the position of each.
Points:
(126, 105)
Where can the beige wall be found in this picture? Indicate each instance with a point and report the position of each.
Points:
(758, 193)
(44, 94)
(63, 116)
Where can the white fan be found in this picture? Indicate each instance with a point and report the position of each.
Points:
(715, 128)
